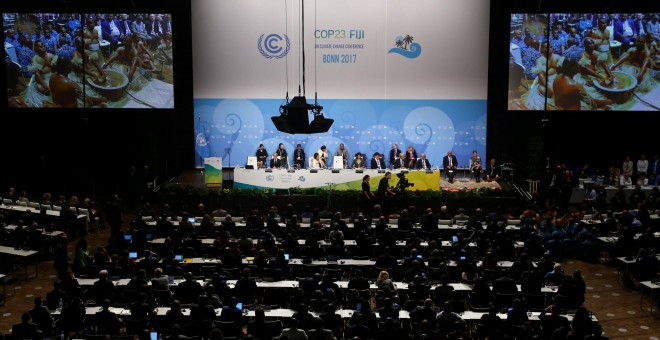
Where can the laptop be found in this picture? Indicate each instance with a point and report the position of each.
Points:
(239, 306)
(149, 236)
(286, 257)
(178, 257)
(419, 257)
(454, 238)
(191, 219)
(170, 279)
(132, 255)
(128, 237)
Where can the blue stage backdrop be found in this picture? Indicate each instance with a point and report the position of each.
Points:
(234, 128)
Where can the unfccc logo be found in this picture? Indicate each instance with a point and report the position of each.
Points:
(274, 45)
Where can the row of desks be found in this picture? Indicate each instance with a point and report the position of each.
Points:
(282, 313)
(287, 284)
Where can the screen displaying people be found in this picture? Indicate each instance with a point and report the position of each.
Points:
(112, 60)
(613, 61)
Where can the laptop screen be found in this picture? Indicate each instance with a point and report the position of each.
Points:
(149, 236)
(170, 279)
(132, 255)
(128, 237)
(191, 219)
(178, 257)
(286, 257)
(239, 306)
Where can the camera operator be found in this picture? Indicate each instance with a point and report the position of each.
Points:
(403, 182)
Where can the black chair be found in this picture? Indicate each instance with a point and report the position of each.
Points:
(229, 328)
(164, 296)
(535, 302)
(275, 327)
(504, 300)
(135, 326)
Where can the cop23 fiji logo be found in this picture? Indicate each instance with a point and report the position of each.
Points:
(273, 45)
(407, 47)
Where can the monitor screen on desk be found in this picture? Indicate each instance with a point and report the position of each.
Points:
(132, 255)
(74, 60)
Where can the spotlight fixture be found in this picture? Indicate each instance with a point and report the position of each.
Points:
(294, 115)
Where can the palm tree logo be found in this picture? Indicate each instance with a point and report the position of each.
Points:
(406, 46)
(408, 39)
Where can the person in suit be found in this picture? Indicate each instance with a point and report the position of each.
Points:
(107, 322)
(423, 163)
(299, 157)
(377, 162)
(358, 161)
(343, 152)
(284, 156)
(625, 31)
(411, 157)
(400, 163)
(112, 31)
(262, 156)
(450, 164)
(394, 154)
(505, 284)
(26, 329)
(492, 171)
(275, 161)
(104, 288)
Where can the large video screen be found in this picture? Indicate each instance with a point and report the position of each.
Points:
(584, 61)
(84, 60)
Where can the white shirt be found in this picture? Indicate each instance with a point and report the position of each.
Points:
(114, 31)
(627, 30)
(642, 165)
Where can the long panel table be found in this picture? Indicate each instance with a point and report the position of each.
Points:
(340, 179)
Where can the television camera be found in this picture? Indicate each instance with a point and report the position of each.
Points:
(403, 182)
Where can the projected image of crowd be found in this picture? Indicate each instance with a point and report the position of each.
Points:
(584, 61)
(89, 60)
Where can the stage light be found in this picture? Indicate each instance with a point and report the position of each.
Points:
(294, 117)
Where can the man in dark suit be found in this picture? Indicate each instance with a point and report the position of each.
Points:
(450, 164)
(107, 322)
(104, 288)
(423, 163)
(394, 154)
(26, 329)
(492, 172)
(400, 163)
(377, 162)
(505, 284)
(299, 157)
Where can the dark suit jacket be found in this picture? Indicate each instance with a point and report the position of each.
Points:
(420, 163)
(399, 163)
(445, 162)
(299, 154)
(394, 155)
(505, 285)
(618, 29)
(374, 165)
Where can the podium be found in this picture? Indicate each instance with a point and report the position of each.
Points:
(213, 172)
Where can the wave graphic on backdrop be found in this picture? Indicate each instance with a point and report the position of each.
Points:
(409, 50)
(430, 130)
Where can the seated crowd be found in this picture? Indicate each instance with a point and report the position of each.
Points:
(210, 298)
